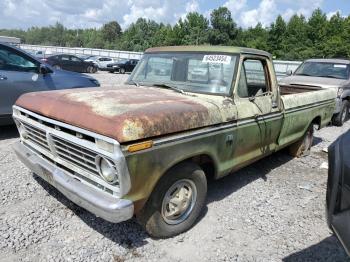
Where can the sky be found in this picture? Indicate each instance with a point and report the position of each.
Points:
(94, 13)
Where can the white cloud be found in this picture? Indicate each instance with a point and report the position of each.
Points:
(235, 5)
(330, 14)
(265, 14)
(93, 13)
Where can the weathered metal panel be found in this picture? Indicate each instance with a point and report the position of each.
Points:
(130, 113)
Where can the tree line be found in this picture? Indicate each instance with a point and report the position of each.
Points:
(296, 39)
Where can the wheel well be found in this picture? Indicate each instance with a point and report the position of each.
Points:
(317, 121)
(205, 162)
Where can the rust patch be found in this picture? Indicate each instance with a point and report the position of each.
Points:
(127, 113)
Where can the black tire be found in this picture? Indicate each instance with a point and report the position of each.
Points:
(111, 71)
(122, 70)
(95, 69)
(152, 216)
(90, 69)
(340, 118)
(302, 147)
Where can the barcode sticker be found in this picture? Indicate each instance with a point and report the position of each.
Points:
(217, 59)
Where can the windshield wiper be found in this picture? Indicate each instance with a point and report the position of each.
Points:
(170, 87)
(329, 76)
(302, 74)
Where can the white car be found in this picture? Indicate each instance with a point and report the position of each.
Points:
(100, 61)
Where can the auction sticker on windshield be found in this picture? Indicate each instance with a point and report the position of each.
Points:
(217, 59)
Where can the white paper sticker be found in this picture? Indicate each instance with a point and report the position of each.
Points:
(217, 59)
(339, 66)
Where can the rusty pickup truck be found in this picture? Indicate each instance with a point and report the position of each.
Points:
(148, 148)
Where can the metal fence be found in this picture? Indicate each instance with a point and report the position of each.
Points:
(83, 51)
(281, 67)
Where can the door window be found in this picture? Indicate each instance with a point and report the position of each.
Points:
(253, 79)
(12, 61)
(75, 59)
(65, 58)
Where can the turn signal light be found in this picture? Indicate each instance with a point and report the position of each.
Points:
(140, 146)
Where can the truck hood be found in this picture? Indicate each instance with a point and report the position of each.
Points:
(130, 113)
(313, 81)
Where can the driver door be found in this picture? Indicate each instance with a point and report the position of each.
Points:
(19, 74)
(259, 116)
(338, 189)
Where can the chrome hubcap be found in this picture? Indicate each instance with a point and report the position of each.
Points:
(179, 201)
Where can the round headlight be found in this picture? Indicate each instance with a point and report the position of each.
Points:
(107, 171)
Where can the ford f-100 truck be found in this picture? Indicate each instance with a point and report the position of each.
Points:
(148, 148)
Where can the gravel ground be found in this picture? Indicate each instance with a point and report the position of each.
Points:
(272, 210)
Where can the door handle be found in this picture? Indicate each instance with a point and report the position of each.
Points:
(3, 78)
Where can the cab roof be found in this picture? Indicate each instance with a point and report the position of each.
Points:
(209, 48)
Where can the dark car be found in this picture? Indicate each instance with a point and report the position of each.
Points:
(338, 189)
(122, 66)
(21, 73)
(70, 63)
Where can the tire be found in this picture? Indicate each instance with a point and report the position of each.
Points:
(94, 70)
(90, 69)
(340, 118)
(111, 71)
(155, 216)
(56, 67)
(302, 147)
(122, 70)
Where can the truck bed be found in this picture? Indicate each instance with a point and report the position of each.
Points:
(295, 89)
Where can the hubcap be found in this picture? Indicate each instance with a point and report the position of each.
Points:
(179, 201)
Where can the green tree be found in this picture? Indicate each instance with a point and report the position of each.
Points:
(195, 27)
(224, 29)
(111, 31)
(276, 35)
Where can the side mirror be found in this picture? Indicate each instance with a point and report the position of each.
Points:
(43, 69)
(289, 72)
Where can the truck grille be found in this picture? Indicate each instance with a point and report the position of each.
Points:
(75, 154)
(76, 159)
(36, 136)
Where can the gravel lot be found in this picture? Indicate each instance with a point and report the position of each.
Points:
(270, 211)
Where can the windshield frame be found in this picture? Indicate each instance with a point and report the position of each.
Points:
(325, 62)
(131, 81)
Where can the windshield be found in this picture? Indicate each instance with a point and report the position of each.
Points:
(192, 72)
(321, 69)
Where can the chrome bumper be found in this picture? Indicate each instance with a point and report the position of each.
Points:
(97, 202)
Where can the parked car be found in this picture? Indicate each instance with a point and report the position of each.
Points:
(326, 73)
(338, 189)
(100, 62)
(148, 147)
(123, 66)
(70, 63)
(22, 73)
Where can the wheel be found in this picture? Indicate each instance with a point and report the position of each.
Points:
(340, 118)
(90, 69)
(111, 71)
(122, 70)
(302, 147)
(94, 70)
(176, 201)
(56, 67)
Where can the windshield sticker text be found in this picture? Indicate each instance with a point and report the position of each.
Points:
(217, 59)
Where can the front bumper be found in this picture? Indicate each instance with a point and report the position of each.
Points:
(97, 202)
